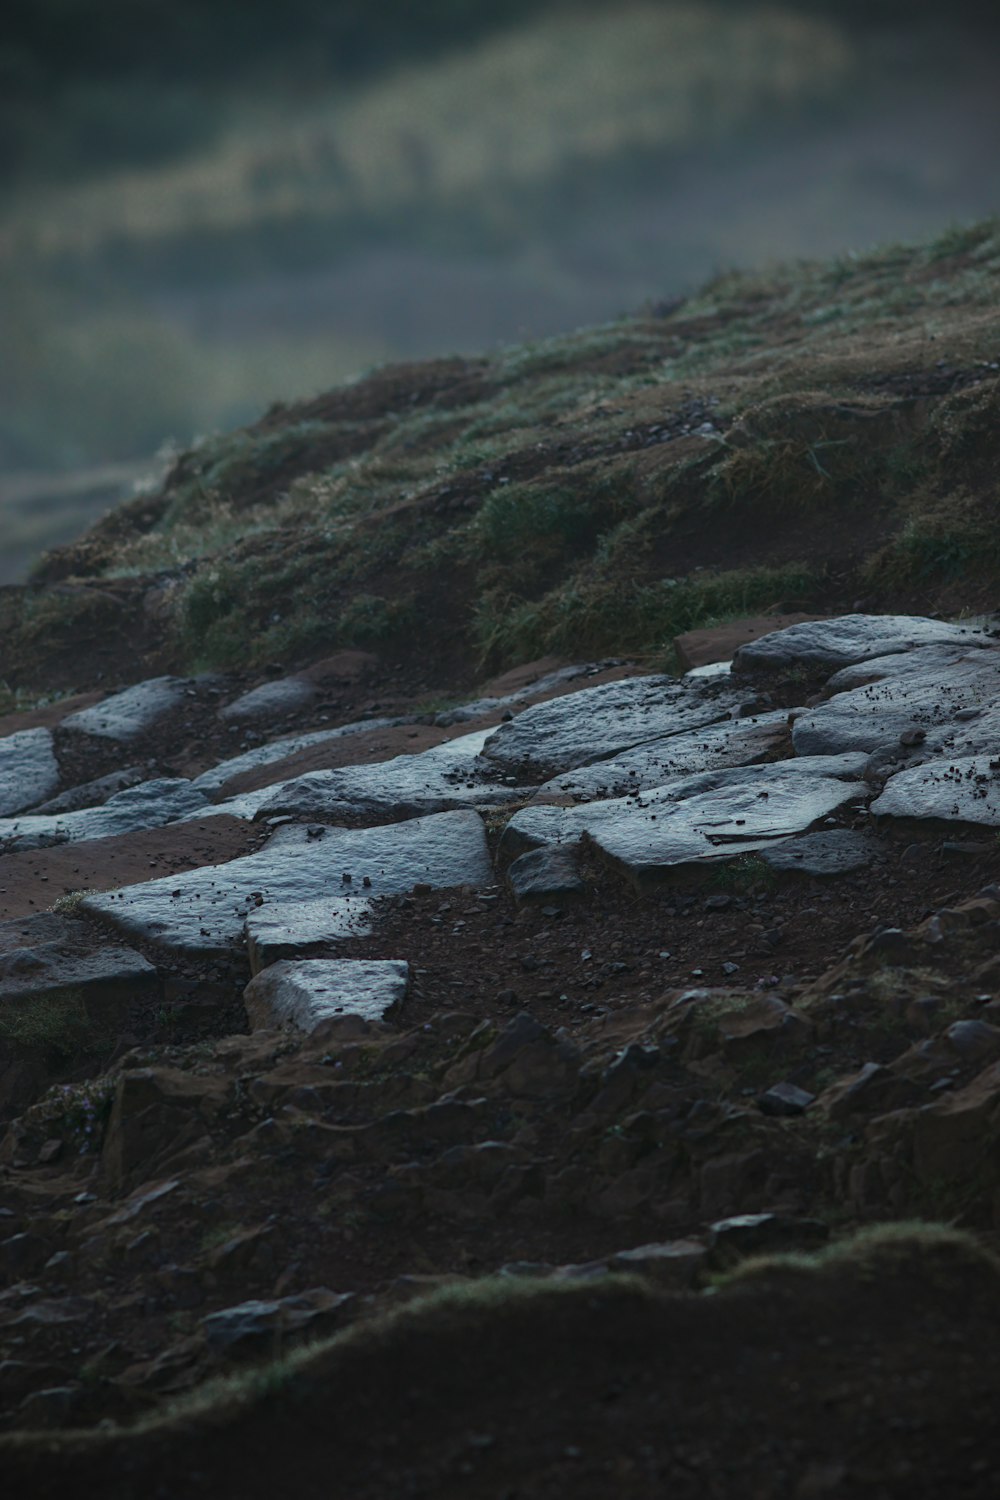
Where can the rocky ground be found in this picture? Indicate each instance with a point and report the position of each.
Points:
(436, 1075)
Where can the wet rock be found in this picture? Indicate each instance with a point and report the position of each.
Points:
(735, 742)
(128, 715)
(444, 777)
(874, 716)
(152, 804)
(270, 702)
(548, 872)
(835, 851)
(600, 721)
(277, 750)
(297, 929)
(963, 790)
(735, 1238)
(467, 712)
(93, 793)
(825, 645)
(49, 955)
(720, 643)
(311, 991)
(29, 771)
(205, 910)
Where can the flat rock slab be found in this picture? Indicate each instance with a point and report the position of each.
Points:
(717, 643)
(539, 824)
(31, 881)
(965, 789)
(307, 993)
(734, 742)
(49, 955)
(149, 805)
(93, 793)
(874, 716)
(128, 715)
(597, 723)
(252, 768)
(833, 851)
(444, 777)
(269, 702)
(830, 644)
(297, 929)
(29, 771)
(648, 835)
(549, 683)
(205, 910)
(549, 873)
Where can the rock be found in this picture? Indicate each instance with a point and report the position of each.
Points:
(735, 742)
(278, 750)
(874, 716)
(835, 851)
(547, 872)
(152, 804)
(444, 777)
(258, 1326)
(205, 910)
(825, 645)
(735, 1238)
(49, 955)
(676, 825)
(269, 702)
(872, 1090)
(715, 643)
(785, 1100)
(964, 790)
(295, 929)
(156, 1113)
(478, 709)
(311, 991)
(92, 793)
(29, 771)
(673, 1263)
(128, 715)
(600, 721)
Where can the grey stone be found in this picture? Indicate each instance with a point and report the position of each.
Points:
(673, 1263)
(444, 777)
(542, 873)
(265, 755)
(205, 910)
(270, 701)
(963, 790)
(29, 771)
(49, 954)
(310, 991)
(599, 722)
(294, 929)
(152, 804)
(688, 820)
(834, 851)
(785, 1099)
(466, 712)
(830, 644)
(255, 1324)
(734, 742)
(877, 714)
(127, 715)
(92, 793)
(756, 1234)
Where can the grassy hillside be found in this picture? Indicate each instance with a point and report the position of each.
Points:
(820, 434)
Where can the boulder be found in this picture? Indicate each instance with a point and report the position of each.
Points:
(965, 789)
(152, 804)
(29, 771)
(133, 712)
(296, 929)
(826, 645)
(307, 992)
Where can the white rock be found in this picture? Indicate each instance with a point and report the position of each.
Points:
(29, 771)
(964, 789)
(272, 700)
(837, 643)
(311, 991)
(265, 755)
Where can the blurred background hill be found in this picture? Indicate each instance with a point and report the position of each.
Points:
(208, 207)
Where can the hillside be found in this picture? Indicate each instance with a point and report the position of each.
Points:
(499, 896)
